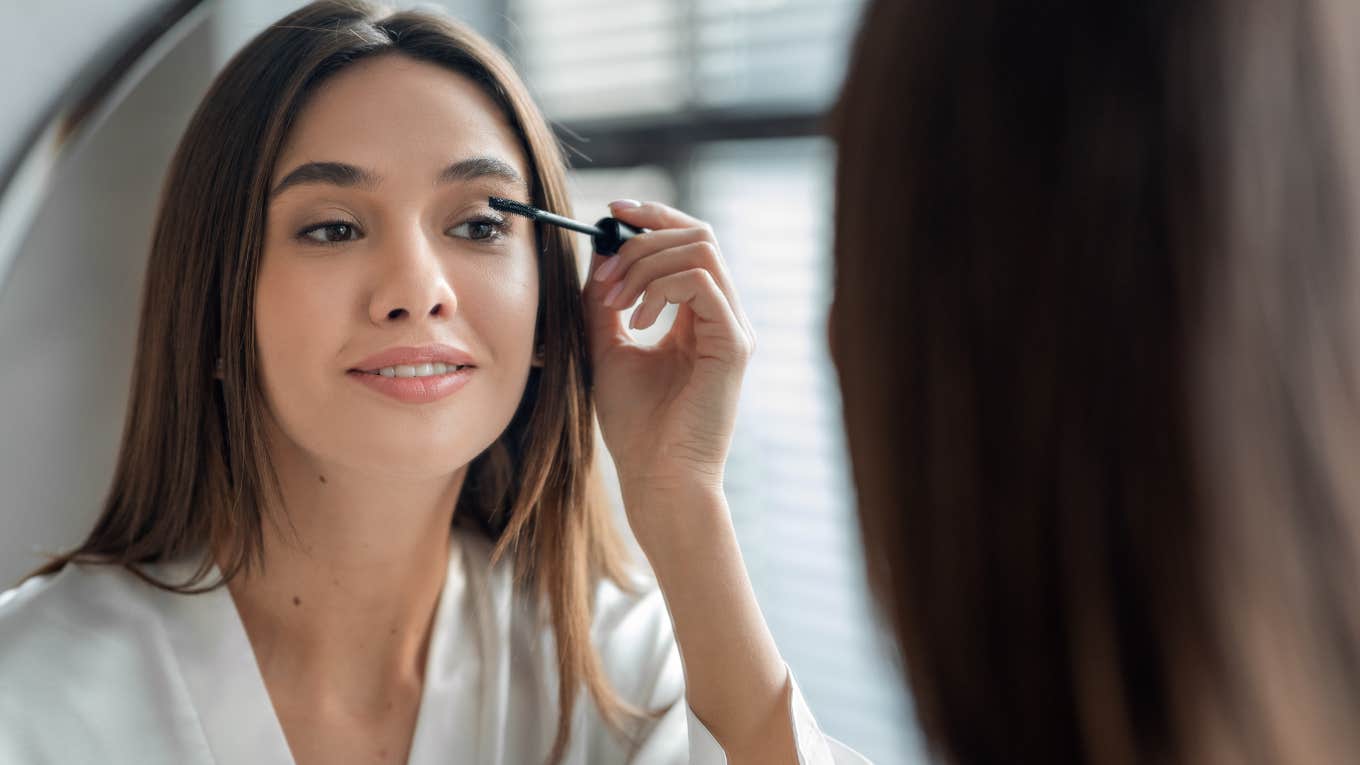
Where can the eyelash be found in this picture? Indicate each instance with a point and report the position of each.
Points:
(499, 228)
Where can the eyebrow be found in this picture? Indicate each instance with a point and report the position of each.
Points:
(349, 176)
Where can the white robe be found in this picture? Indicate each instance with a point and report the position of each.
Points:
(96, 666)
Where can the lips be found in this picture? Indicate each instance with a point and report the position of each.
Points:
(415, 356)
(415, 390)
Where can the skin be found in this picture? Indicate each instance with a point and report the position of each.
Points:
(340, 623)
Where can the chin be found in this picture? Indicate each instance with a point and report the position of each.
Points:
(410, 455)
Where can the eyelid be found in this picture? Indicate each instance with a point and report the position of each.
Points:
(502, 226)
(488, 215)
(501, 223)
(304, 234)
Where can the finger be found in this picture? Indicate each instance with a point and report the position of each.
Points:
(604, 326)
(716, 330)
(654, 215)
(701, 254)
(646, 244)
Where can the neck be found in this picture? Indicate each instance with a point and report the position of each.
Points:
(343, 606)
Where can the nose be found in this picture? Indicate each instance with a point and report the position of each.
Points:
(411, 284)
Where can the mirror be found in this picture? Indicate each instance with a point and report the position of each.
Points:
(77, 199)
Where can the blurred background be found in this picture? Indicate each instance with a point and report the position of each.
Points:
(713, 106)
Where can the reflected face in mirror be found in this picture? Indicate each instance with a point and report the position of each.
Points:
(379, 235)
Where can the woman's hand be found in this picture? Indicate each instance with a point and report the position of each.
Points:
(666, 411)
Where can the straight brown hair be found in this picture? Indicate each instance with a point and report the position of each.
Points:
(1095, 327)
(193, 470)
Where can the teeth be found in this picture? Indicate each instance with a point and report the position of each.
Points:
(418, 370)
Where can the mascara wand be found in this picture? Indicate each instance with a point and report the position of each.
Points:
(607, 235)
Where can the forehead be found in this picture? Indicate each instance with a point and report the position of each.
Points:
(398, 116)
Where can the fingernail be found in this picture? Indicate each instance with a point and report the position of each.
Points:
(606, 269)
(609, 299)
(625, 203)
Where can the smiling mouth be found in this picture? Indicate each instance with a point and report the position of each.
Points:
(415, 370)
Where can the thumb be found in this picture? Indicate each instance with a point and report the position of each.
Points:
(604, 325)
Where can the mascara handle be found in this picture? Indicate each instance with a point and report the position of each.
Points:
(613, 233)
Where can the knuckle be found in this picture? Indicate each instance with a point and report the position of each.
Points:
(743, 349)
(702, 274)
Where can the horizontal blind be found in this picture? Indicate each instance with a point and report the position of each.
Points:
(771, 54)
(594, 59)
(770, 202)
(788, 485)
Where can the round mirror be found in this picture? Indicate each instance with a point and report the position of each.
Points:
(102, 94)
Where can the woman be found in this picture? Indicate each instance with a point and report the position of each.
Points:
(1104, 442)
(344, 352)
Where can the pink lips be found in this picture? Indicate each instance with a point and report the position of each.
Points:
(413, 355)
(416, 390)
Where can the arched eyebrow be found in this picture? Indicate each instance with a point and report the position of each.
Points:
(346, 175)
(480, 167)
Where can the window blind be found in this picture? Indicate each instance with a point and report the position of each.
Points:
(788, 482)
(787, 479)
(649, 65)
(592, 59)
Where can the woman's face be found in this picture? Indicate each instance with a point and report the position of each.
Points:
(402, 250)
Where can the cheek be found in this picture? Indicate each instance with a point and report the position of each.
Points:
(295, 317)
(502, 307)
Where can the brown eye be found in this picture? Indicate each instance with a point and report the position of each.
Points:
(480, 229)
(332, 232)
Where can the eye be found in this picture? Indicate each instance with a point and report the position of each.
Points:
(483, 229)
(331, 232)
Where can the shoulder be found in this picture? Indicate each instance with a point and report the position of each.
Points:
(67, 640)
(59, 617)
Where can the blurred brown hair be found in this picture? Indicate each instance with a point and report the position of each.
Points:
(193, 471)
(1094, 321)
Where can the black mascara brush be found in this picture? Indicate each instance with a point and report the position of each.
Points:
(607, 235)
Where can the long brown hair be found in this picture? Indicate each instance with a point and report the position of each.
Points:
(193, 470)
(1095, 326)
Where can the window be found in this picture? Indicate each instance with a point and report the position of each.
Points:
(714, 106)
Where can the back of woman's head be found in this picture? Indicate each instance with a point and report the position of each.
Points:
(1094, 321)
